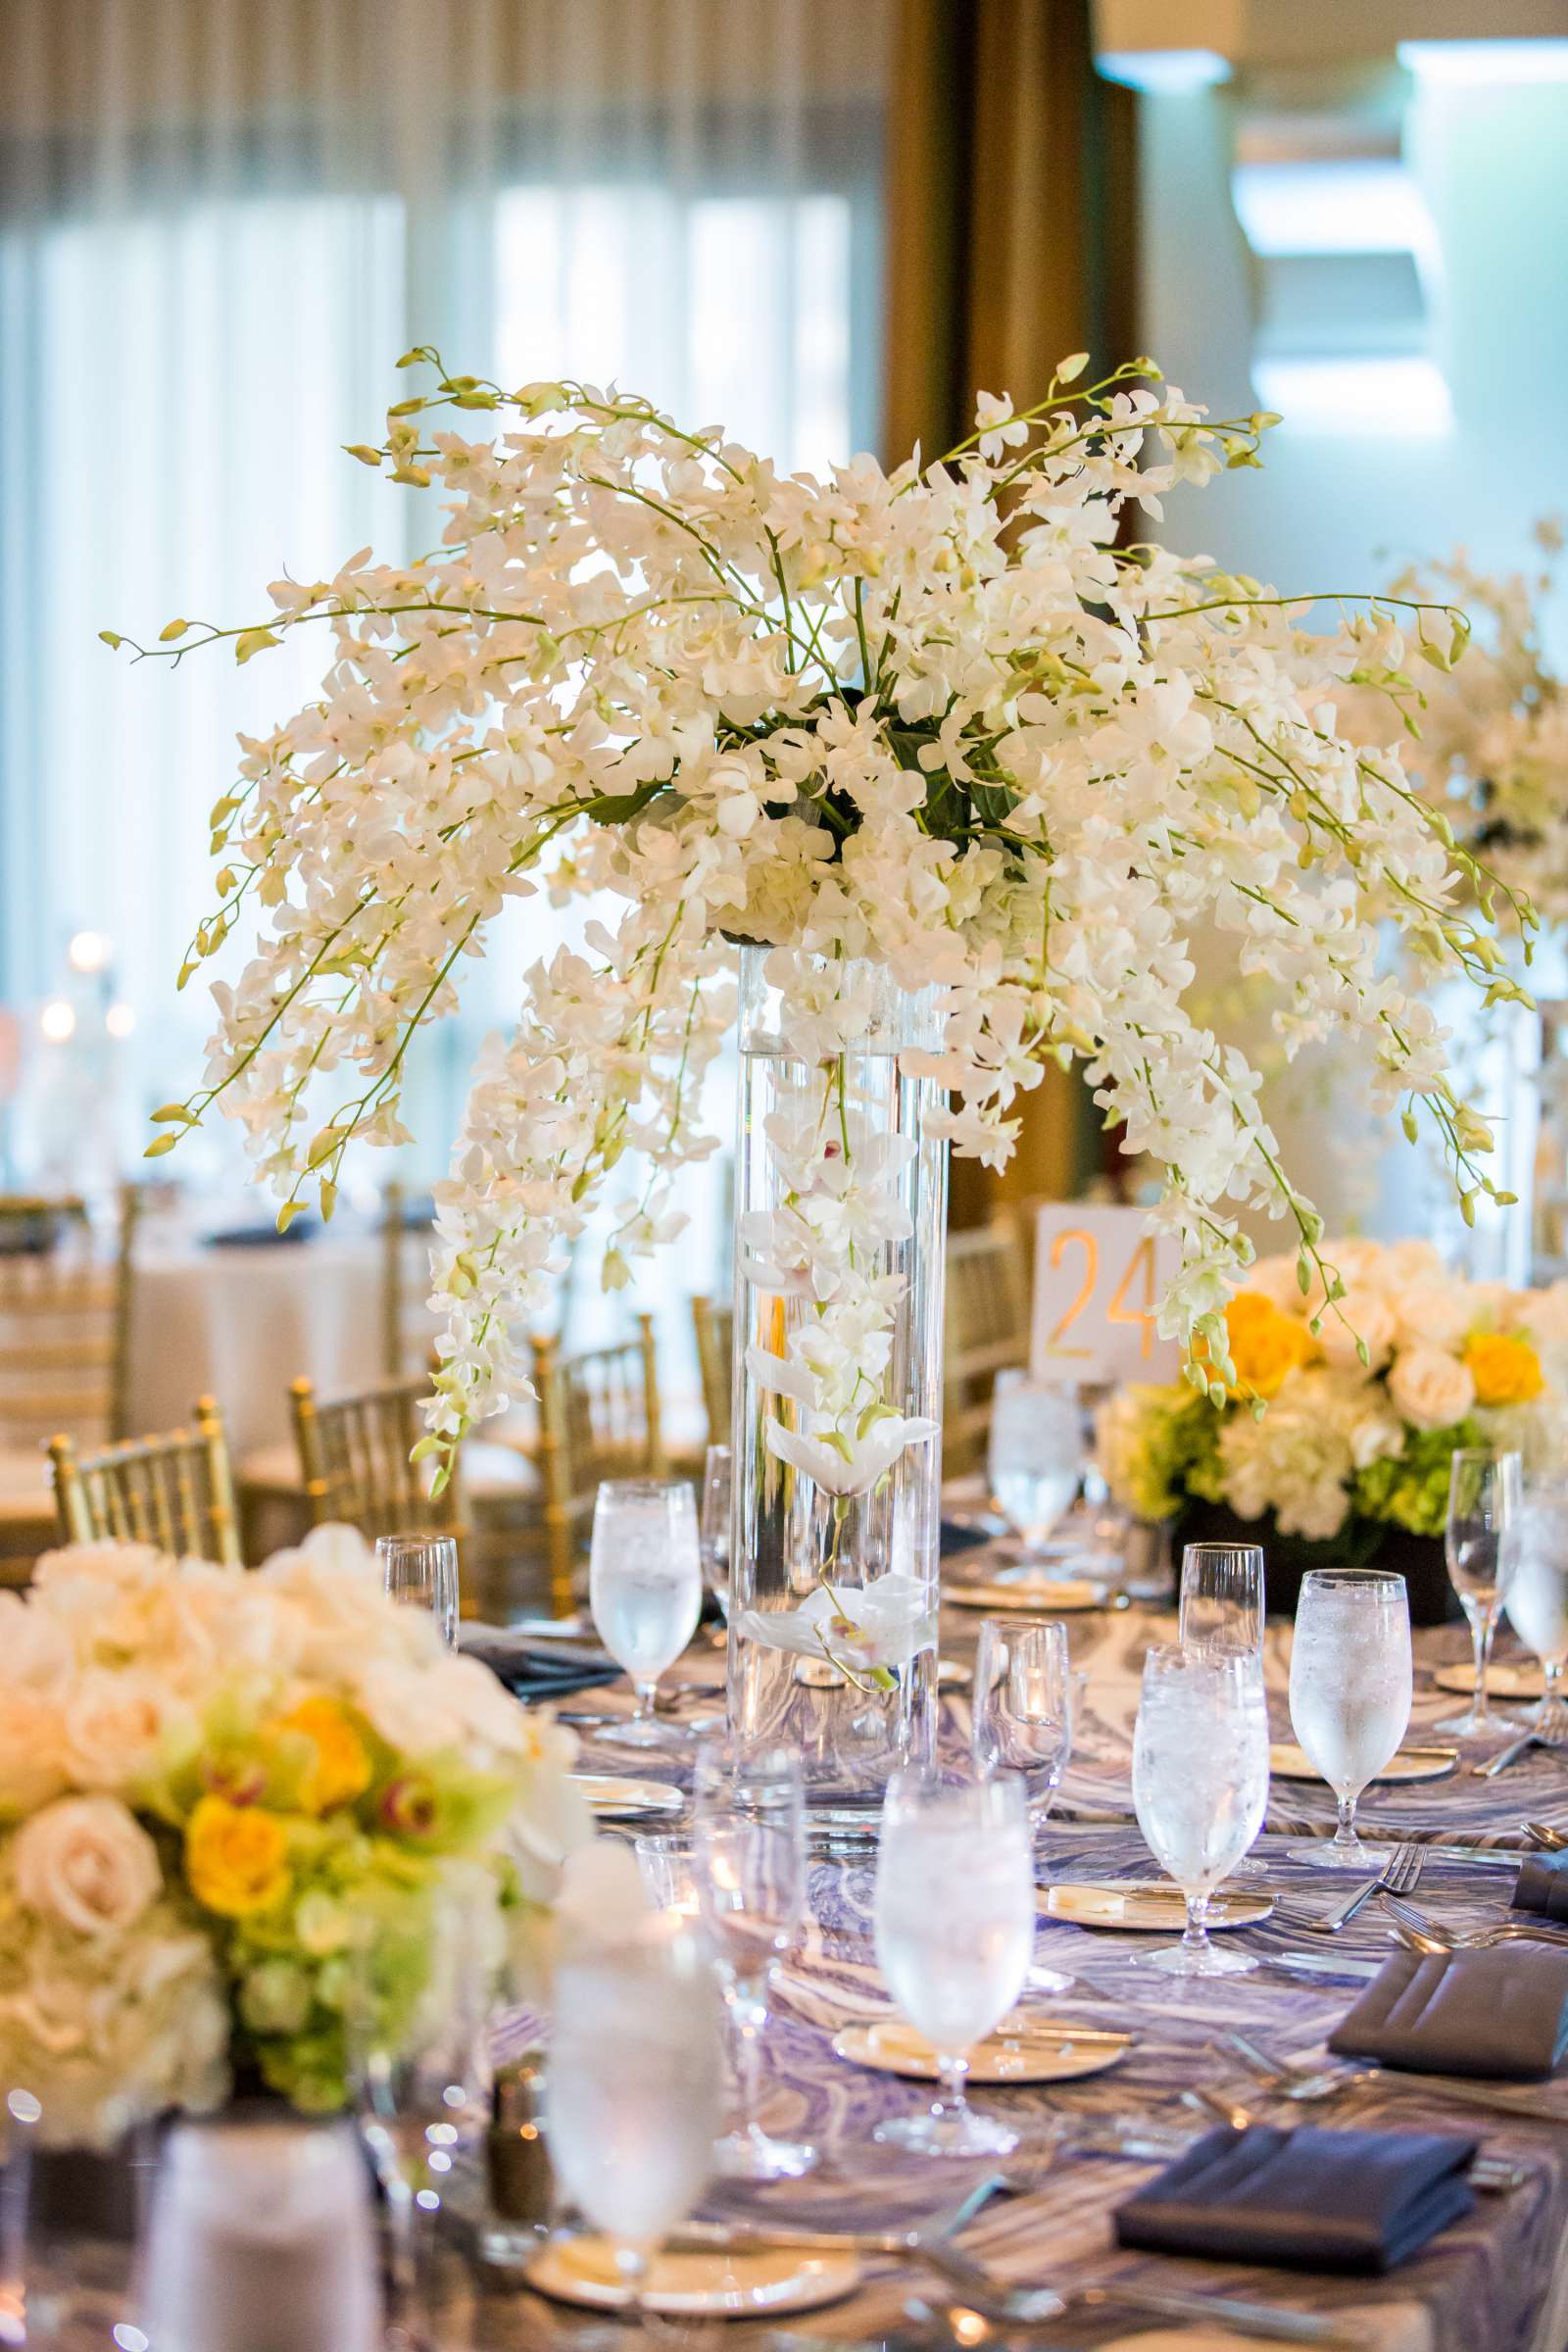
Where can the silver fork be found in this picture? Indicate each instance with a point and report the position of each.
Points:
(1497, 2176)
(1400, 1876)
(1429, 1938)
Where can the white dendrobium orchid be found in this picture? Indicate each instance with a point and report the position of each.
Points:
(876, 1626)
(952, 727)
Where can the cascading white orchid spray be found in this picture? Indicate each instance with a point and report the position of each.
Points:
(946, 720)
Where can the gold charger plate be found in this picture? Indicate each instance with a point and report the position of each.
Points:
(1288, 1763)
(607, 1793)
(1034, 1599)
(1148, 1906)
(739, 2283)
(1040, 2051)
(1505, 1678)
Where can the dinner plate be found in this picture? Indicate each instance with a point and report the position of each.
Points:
(738, 2283)
(1505, 1678)
(1288, 1763)
(1034, 1599)
(1148, 1905)
(607, 1793)
(1040, 2051)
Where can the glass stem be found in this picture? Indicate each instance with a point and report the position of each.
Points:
(1482, 1628)
(647, 1694)
(954, 2073)
(405, 2266)
(633, 2263)
(748, 2009)
(1195, 1936)
(1344, 1833)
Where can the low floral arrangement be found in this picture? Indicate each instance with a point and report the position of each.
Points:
(210, 1780)
(1366, 1396)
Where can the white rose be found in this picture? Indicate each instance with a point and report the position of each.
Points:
(1362, 1315)
(1431, 1314)
(88, 1863)
(1414, 1262)
(1543, 1314)
(1431, 1388)
(36, 1650)
(116, 1728)
(1275, 1279)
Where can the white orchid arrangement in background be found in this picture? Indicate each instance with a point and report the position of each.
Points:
(1494, 749)
(953, 722)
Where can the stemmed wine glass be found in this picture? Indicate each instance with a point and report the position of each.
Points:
(645, 1585)
(1537, 1597)
(713, 1531)
(1350, 1684)
(633, 2090)
(1222, 1597)
(955, 1917)
(749, 1864)
(1200, 1786)
(1035, 1460)
(1480, 1540)
(423, 1571)
(1021, 1722)
(419, 2071)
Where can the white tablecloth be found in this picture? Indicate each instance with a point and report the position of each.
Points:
(241, 1324)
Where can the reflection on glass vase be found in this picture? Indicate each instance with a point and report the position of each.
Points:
(840, 1223)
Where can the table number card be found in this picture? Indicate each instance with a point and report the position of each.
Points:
(1099, 1275)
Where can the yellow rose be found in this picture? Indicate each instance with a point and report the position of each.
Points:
(341, 1771)
(236, 1857)
(1506, 1370)
(1265, 1346)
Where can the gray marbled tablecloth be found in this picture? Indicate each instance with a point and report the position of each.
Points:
(1496, 2283)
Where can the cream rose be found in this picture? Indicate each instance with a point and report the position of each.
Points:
(30, 1768)
(1433, 1314)
(1431, 1388)
(116, 1728)
(87, 1862)
(1364, 1315)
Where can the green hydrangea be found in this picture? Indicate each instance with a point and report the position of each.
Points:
(1412, 1491)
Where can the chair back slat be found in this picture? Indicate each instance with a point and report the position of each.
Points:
(599, 1418)
(715, 1328)
(986, 1331)
(176, 1492)
(355, 1461)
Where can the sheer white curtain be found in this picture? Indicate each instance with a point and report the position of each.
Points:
(221, 220)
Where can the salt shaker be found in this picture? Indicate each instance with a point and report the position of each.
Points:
(261, 2235)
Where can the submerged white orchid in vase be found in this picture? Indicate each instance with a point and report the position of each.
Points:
(953, 732)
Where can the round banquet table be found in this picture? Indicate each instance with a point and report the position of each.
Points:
(239, 1324)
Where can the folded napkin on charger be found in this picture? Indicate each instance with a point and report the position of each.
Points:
(1500, 2012)
(539, 1670)
(1542, 1885)
(955, 1540)
(262, 1237)
(1308, 2200)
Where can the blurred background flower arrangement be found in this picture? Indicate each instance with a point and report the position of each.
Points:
(1337, 1417)
(212, 1781)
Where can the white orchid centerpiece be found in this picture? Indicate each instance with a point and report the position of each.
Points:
(955, 723)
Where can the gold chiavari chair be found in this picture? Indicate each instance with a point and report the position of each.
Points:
(64, 1320)
(355, 1461)
(599, 1417)
(715, 1328)
(987, 1331)
(175, 1492)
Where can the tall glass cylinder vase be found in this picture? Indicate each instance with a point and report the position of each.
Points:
(836, 1522)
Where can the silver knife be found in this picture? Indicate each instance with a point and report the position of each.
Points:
(1505, 1756)
(1490, 1857)
(1328, 1965)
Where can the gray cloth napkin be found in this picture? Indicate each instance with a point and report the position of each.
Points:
(1542, 1885)
(1501, 2013)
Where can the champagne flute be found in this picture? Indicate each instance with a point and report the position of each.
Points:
(1200, 1786)
(1479, 1539)
(645, 1587)
(1350, 1682)
(423, 1572)
(1537, 1597)
(955, 1916)
(418, 1992)
(1222, 1597)
(749, 1856)
(634, 2085)
(1035, 1459)
(1022, 1723)
(717, 1486)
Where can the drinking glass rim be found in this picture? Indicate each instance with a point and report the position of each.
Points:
(927, 1782)
(1381, 1579)
(1209, 1657)
(628, 1489)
